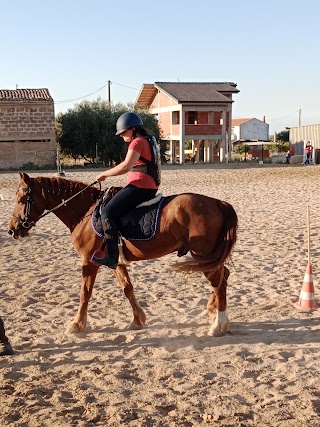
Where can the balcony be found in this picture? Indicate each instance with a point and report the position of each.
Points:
(203, 129)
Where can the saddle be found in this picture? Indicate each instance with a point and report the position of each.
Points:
(139, 224)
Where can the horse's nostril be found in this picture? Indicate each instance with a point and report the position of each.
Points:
(11, 232)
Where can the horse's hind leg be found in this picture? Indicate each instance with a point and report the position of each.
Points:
(139, 317)
(217, 304)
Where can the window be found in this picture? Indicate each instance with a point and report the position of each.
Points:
(175, 117)
(192, 118)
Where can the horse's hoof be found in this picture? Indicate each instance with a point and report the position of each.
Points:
(213, 332)
(134, 326)
(73, 328)
(219, 331)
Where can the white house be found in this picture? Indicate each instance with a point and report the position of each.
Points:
(249, 130)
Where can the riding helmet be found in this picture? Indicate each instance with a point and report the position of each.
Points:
(127, 121)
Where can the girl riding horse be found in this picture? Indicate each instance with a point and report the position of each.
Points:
(142, 163)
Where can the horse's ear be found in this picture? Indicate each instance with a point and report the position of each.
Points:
(25, 177)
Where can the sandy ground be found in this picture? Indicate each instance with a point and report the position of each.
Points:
(264, 373)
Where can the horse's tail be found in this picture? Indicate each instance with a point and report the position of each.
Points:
(225, 243)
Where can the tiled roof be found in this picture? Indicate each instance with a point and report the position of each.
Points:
(25, 95)
(238, 122)
(193, 92)
(198, 92)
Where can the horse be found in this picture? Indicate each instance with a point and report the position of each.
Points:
(189, 222)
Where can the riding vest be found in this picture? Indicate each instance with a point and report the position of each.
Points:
(151, 167)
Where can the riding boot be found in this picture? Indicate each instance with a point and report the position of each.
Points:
(5, 346)
(111, 240)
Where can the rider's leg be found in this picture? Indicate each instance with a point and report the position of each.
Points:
(111, 240)
(124, 201)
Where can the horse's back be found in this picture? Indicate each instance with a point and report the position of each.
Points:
(188, 206)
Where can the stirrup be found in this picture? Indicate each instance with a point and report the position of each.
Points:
(107, 261)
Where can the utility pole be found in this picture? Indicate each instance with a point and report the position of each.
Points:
(109, 93)
(97, 159)
(300, 117)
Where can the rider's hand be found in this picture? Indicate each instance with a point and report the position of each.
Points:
(100, 177)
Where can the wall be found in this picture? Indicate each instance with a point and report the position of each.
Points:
(16, 154)
(299, 135)
(27, 133)
(254, 130)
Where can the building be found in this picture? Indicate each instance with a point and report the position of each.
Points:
(253, 133)
(249, 130)
(300, 135)
(197, 112)
(27, 128)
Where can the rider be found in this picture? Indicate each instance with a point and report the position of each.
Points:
(142, 163)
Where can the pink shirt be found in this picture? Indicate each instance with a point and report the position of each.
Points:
(139, 179)
(308, 148)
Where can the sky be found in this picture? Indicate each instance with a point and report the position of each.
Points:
(269, 49)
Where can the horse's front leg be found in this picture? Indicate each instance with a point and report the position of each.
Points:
(89, 273)
(217, 304)
(139, 317)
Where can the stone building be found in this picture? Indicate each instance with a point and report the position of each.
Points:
(27, 128)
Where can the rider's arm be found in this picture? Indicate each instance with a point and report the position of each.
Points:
(122, 168)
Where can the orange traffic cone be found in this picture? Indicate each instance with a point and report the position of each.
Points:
(306, 299)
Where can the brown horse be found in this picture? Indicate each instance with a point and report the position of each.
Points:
(205, 226)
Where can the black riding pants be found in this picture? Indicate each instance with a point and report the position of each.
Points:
(124, 201)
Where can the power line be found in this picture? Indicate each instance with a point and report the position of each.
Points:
(80, 97)
(129, 87)
(92, 93)
(281, 118)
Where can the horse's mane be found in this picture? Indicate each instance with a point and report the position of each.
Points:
(68, 186)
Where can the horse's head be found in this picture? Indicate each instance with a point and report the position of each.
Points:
(27, 209)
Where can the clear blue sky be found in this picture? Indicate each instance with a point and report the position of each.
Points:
(73, 47)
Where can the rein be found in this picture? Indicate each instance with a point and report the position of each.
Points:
(26, 224)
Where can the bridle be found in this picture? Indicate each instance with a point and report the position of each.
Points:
(25, 223)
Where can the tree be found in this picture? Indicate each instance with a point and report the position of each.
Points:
(278, 147)
(283, 136)
(281, 144)
(89, 128)
(242, 149)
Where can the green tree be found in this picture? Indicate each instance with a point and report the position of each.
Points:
(242, 149)
(279, 147)
(283, 136)
(89, 128)
(281, 144)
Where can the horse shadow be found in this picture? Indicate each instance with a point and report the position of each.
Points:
(290, 331)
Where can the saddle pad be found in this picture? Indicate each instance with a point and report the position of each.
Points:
(139, 224)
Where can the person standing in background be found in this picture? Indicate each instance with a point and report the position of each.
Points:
(308, 153)
(288, 157)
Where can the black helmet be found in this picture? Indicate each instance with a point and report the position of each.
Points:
(127, 121)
